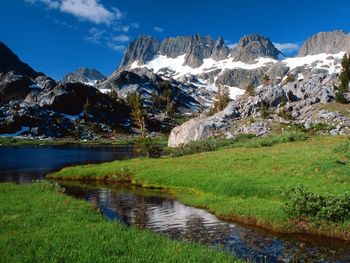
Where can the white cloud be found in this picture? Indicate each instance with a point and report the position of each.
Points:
(116, 47)
(158, 29)
(287, 47)
(125, 28)
(52, 4)
(89, 10)
(95, 35)
(121, 38)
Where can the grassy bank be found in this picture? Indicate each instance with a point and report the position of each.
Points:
(39, 224)
(243, 183)
(16, 141)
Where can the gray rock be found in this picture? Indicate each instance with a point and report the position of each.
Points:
(241, 78)
(325, 42)
(200, 129)
(84, 75)
(220, 50)
(141, 49)
(252, 47)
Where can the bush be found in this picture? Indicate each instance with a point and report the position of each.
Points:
(290, 78)
(148, 147)
(250, 89)
(241, 140)
(283, 113)
(301, 204)
(264, 112)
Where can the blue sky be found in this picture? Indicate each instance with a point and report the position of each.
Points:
(57, 36)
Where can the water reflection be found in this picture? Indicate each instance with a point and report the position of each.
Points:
(27, 163)
(157, 211)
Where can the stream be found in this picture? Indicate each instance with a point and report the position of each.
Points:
(160, 212)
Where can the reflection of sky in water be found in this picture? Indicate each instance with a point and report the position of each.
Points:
(170, 217)
(27, 163)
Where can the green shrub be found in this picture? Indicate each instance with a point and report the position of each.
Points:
(301, 204)
(290, 78)
(148, 147)
(285, 114)
(241, 140)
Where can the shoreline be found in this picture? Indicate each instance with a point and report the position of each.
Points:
(189, 194)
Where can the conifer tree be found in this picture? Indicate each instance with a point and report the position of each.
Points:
(250, 89)
(138, 114)
(344, 78)
(222, 98)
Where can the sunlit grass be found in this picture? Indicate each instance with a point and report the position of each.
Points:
(38, 224)
(239, 183)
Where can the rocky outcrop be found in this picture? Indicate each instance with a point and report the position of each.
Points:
(141, 50)
(202, 128)
(325, 42)
(297, 102)
(252, 47)
(84, 75)
(220, 50)
(241, 78)
(13, 86)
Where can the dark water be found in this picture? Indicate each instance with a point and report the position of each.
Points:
(158, 211)
(161, 213)
(27, 163)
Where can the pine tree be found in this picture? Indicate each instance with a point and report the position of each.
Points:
(114, 95)
(222, 98)
(344, 78)
(138, 114)
(170, 109)
(290, 78)
(250, 89)
(87, 108)
(266, 80)
(154, 98)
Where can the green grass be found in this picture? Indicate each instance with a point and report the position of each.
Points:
(39, 224)
(244, 184)
(15, 141)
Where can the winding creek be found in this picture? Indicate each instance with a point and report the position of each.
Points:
(160, 212)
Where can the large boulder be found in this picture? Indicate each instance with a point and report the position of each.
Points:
(202, 128)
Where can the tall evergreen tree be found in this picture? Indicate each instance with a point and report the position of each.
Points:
(250, 89)
(222, 98)
(344, 78)
(138, 114)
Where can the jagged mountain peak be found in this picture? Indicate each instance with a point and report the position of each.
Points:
(84, 75)
(330, 42)
(142, 49)
(251, 47)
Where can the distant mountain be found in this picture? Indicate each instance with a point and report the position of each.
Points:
(88, 76)
(326, 42)
(200, 65)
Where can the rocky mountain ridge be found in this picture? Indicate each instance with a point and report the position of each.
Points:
(191, 69)
(87, 76)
